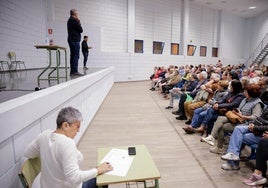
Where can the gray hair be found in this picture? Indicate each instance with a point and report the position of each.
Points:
(204, 74)
(215, 76)
(73, 11)
(69, 115)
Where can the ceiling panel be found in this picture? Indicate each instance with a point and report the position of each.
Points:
(236, 7)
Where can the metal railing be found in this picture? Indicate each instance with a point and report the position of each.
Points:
(257, 51)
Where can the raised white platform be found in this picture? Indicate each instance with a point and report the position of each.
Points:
(23, 118)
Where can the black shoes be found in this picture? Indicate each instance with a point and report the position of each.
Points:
(169, 107)
(176, 113)
(152, 89)
(181, 117)
(76, 74)
(188, 122)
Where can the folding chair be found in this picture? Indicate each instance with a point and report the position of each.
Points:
(29, 171)
(2, 67)
(14, 61)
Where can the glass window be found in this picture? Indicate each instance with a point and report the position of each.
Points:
(175, 49)
(214, 52)
(203, 51)
(158, 47)
(138, 46)
(191, 50)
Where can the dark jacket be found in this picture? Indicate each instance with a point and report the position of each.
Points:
(261, 123)
(74, 30)
(190, 85)
(230, 101)
(197, 88)
(84, 46)
(264, 96)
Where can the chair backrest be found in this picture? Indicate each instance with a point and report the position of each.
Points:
(12, 56)
(30, 169)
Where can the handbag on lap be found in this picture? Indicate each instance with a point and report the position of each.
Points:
(233, 117)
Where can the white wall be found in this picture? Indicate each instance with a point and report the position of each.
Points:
(108, 25)
(25, 117)
(259, 28)
(23, 25)
(203, 28)
(232, 38)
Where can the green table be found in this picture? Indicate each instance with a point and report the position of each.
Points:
(142, 168)
(57, 49)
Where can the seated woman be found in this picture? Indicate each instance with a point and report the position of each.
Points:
(229, 102)
(164, 77)
(202, 97)
(199, 100)
(258, 177)
(250, 108)
(244, 135)
(59, 156)
(156, 76)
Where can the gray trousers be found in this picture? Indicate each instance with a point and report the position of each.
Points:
(227, 127)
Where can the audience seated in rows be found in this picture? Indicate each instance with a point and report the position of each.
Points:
(172, 82)
(250, 108)
(229, 102)
(202, 79)
(200, 113)
(202, 97)
(246, 96)
(187, 87)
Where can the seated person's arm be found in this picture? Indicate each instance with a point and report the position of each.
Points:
(32, 150)
(256, 112)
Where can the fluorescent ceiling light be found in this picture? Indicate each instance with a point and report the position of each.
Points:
(251, 7)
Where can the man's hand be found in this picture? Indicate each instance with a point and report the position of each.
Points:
(216, 106)
(250, 127)
(265, 134)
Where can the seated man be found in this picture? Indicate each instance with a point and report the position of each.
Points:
(59, 156)
(187, 87)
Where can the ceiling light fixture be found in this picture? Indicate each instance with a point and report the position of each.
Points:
(251, 7)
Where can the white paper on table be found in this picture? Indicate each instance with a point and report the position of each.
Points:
(120, 160)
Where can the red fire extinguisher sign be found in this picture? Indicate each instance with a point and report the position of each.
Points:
(49, 31)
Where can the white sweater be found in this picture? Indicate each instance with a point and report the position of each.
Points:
(59, 161)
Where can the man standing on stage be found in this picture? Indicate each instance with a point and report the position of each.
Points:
(74, 37)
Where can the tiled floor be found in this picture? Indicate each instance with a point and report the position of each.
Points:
(14, 84)
(132, 115)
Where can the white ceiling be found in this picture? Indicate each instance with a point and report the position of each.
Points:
(237, 7)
